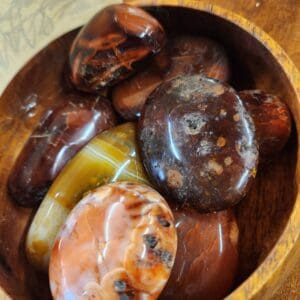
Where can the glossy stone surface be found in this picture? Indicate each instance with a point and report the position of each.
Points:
(125, 238)
(130, 95)
(207, 256)
(197, 143)
(112, 46)
(183, 55)
(272, 120)
(62, 132)
(109, 157)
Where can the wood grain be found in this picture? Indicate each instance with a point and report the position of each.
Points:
(281, 20)
(283, 24)
(263, 217)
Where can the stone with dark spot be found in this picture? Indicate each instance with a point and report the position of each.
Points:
(150, 240)
(271, 118)
(120, 286)
(197, 143)
(111, 248)
(165, 257)
(114, 43)
(126, 297)
(163, 221)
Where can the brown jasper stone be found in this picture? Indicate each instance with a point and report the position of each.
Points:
(207, 256)
(112, 45)
(129, 96)
(271, 118)
(197, 142)
(197, 55)
(59, 136)
(119, 242)
(184, 55)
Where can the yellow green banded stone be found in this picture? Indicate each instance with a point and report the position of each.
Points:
(111, 156)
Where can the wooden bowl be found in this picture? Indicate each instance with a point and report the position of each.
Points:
(269, 217)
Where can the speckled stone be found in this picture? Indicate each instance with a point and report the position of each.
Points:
(119, 242)
(197, 143)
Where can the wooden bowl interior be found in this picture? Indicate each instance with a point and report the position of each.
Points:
(262, 215)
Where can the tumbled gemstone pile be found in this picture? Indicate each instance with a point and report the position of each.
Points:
(144, 210)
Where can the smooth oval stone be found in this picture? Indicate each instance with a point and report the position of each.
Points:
(62, 132)
(197, 143)
(112, 46)
(271, 118)
(109, 157)
(126, 250)
(207, 256)
(183, 55)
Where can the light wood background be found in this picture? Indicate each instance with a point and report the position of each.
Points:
(22, 33)
(280, 19)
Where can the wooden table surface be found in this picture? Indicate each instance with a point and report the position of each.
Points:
(280, 19)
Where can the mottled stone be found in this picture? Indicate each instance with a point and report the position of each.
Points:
(112, 45)
(61, 133)
(197, 143)
(111, 156)
(125, 252)
(183, 55)
(207, 256)
(271, 118)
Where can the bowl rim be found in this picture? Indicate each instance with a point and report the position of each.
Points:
(264, 281)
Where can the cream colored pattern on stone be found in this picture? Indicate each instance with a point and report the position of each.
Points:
(27, 26)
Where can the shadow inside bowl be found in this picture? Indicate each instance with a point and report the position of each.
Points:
(262, 215)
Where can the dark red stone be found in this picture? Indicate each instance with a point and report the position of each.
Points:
(60, 135)
(271, 118)
(197, 143)
(112, 45)
(130, 95)
(183, 55)
(207, 256)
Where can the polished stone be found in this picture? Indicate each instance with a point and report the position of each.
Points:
(119, 242)
(62, 132)
(184, 54)
(272, 120)
(197, 143)
(207, 256)
(109, 157)
(112, 45)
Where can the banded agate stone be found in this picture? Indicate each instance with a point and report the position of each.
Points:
(109, 157)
